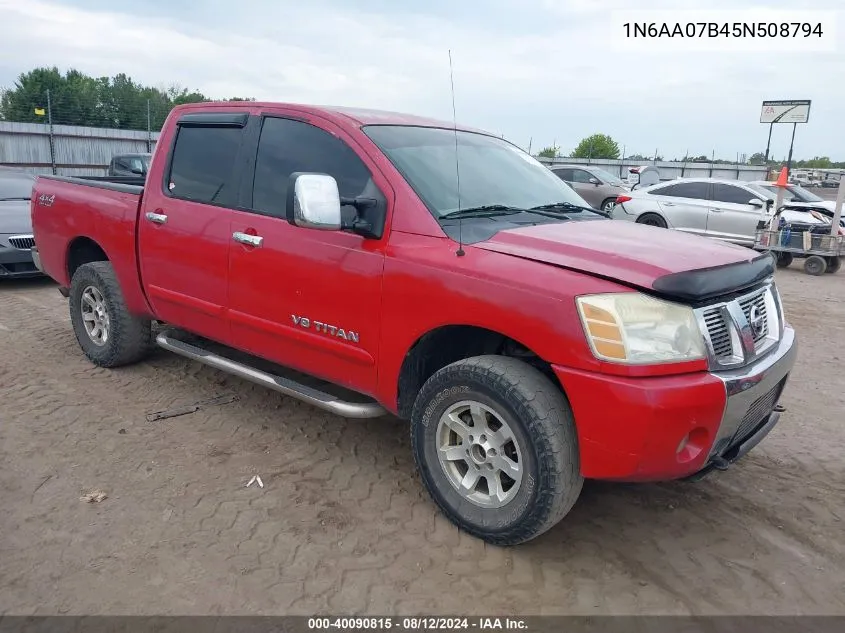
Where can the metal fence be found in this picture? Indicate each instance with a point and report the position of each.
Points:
(670, 170)
(67, 150)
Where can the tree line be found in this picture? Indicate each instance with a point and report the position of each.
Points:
(79, 99)
(602, 146)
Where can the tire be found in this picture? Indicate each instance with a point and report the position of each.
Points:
(815, 265)
(607, 205)
(652, 219)
(784, 260)
(833, 264)
(128, 339)
(533, 413)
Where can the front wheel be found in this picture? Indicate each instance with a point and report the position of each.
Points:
(494, 441)
(833, 264)
(652, 219)
(815, 265)
(607, 205)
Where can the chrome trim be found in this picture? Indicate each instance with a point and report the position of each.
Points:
(22, 236)
(312, 396)
(745, 385)
(744, 349)
(246, 238)
(157, 218)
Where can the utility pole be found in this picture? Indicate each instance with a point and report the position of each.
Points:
(50, 123)
(149, 130)
(769, 144)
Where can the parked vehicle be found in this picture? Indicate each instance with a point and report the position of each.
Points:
(129, 165)
(799, 199)
(529, 341)
(727, 210)
(16, 239)
(598, 187)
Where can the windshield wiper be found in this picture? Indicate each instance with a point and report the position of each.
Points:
(484, 211)
(565, 208)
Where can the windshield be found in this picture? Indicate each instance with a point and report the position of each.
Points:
(607, 177)
(16, 186)
(492, 171)
(146, 161)
(792, 193)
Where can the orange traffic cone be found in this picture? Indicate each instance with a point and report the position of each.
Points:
(781, 181)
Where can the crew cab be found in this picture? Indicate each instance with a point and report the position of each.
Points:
(437, 273)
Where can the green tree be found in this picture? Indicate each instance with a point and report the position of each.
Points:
(549, 152)
(757, 158)
(597, 146)
(78, 99)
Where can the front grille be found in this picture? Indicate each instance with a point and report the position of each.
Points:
(742, 328)
(22, 242)
(759, 410)
(720, 336)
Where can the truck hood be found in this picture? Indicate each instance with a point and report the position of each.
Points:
(15, 217)
(668, 262)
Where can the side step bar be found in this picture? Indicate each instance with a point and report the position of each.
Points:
(312, 396)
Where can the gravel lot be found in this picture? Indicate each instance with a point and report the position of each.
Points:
(342, 524)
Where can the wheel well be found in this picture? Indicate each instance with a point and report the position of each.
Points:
(452, 343)
(83, 250)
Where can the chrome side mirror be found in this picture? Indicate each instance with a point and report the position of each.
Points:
(595, 181)
(313, 202)
(756, 202)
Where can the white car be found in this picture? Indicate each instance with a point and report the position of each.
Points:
(727, 210)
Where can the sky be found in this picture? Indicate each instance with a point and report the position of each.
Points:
(537, 72)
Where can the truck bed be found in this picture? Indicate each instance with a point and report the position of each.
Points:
(74, 218)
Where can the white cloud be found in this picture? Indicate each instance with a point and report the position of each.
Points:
(557, 80)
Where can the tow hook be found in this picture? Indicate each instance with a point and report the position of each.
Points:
(779, 408)
(720, 463)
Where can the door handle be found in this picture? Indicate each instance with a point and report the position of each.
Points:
(246, 238)
(669, 204)
(157, 218)
(716, 209)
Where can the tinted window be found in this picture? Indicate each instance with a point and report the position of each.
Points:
(203, 165)
(731, 194)
(564, 174)
(696, 190)
(288, 146)
(579, 175)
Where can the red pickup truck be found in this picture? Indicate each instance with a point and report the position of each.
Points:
(438, 273)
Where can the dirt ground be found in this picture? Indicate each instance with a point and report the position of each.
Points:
(342, 524)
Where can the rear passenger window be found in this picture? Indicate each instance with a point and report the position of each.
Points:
(203, 165)
(694, 190)
(288, 146)
(564, 174)
(729, 193)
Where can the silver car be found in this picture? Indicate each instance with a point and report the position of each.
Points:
(598, 187)
(728, 210)
(16, 239)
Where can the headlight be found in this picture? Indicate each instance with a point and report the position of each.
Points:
(636, 329)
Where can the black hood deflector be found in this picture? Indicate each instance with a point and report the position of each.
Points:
(700, 285)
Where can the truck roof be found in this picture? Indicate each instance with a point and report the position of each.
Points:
(357, 116)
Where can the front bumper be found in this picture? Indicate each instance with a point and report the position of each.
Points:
(674, 427)
(17, 263)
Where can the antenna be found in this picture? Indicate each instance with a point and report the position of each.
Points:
(460, 252)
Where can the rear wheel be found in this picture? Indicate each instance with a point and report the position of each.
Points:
(108, 335)
(833, 264)
(607, 205)
(815, 265)
(652, 219)
(784, 260)
(495, 444)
